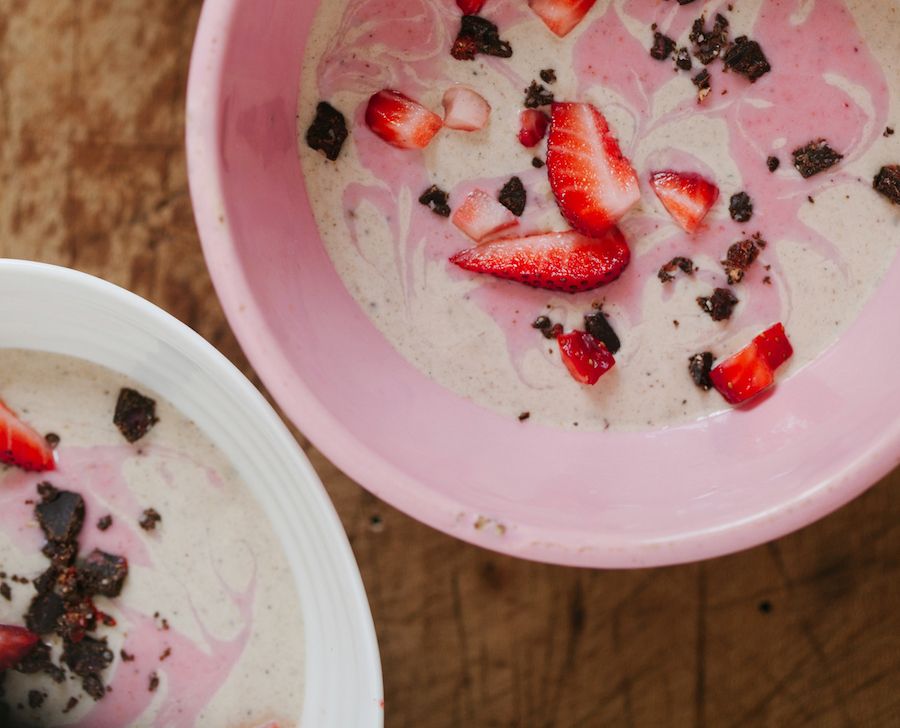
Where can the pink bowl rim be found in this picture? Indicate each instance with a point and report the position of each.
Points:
(203, 139)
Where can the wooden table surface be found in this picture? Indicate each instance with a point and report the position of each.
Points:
(805, 631)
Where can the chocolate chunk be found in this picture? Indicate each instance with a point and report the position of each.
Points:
(746, 57)
(126, 657)
(815, 157)
(887, 182)
(537, 95)
(90, 656)
(102, 573)
(436, 199)
(548, 75)
(45, 612)
(598, 326)
(524, 416)
(537, 162)
(683, 59)
(686, 265)
(478, 35)
(741, 207)
(709, 44)
(720, 305)
(513, 196)
(773, 163)
(60, 553)
(104, 523)
(662, 47)
(135, 414)
(328, 132)
(79, 618)
(36, 699)
(70, 706)
(150, 519)
(888, 131)
(46, 581)
(547, 327)
(740, 257)
(93, 686)
(39, 660)
(700, 365)
(52, 439)
(5, 591)
(166, 654)
(154, 682)
(703, 84)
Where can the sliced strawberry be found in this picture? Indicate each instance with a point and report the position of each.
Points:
(688, 197)
(561, 16)
(594, 184)
(400, 121)
(586, 358)
(470, 7)
(465, 109)
(480, 216)
(567, 261)
(774, 346)
(22, 446)
(533, 125)
(15, 645)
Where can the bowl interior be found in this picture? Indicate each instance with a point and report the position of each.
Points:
(611, 499)
(57, 310)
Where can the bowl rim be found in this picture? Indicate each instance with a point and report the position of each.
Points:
(367, 467)
(341, 572)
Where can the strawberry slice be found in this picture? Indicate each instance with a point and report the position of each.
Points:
(470, 7)
(752, 369)
(688, 197)
(15, 645)
(400, 121)
(465, 109)
(21, 446)
(586, 358)
(561, 16)
(481, 216)
(567, 262)
(594, 184)
(533, 125)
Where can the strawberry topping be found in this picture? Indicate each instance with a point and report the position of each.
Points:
(688, 197)
(561, 16)
(568, 261)
(16, 643)
(594, 184)
(21, 446)
(400, 121)
(481, 216)
(532, 127)
(774, 347)
(752, 370)
(465, 110)
(470, 7)
(586, 358)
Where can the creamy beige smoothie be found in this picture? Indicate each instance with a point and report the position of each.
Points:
(835, 74)
(208, 630)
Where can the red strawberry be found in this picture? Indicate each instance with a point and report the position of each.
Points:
(15, 645)
(752, 370)
(401, 121)
(465, 109)
(481, 216)
(688, 197)
(22, 446)
(593, 182)
(533, 127)
(774, 346)
(561, 16)
(586, 358)
(567, 261)
(470, 7)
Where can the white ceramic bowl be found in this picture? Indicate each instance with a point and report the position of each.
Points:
(57, 310)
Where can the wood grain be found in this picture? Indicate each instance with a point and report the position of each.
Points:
(802, 632)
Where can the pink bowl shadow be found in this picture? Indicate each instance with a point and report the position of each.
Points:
(614, 500)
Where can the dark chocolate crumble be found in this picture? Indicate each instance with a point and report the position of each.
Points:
(549, 329)
(537, 95)
(683, 59)
(887, 182)
(548, 75)
(437, 200)
(700, 365)
(746, 57)
(685, 265)
(328, 131)
(537, 162)
(5, 591)
(513, 196)
(741, 207)
(773, 163)
(720, 305)
(105, 523)
(815, 157)
(597, 325)
(703, 84)
(478, 35)
(149, 519)
(524, 416)
(154, 682)
(663, 46)
(740, 257)
(709, 44)
(135, 414)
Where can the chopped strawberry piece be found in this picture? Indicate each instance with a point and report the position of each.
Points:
(586, 358)
(400, 121)
(561, 16)
(774, 346)
(752, 370)
(470, 7)
(532, 127)
(21, 446)
(567, 262)
(15, 645)
(594, 184)
(688, 197)
(480, 216)
(465, 109)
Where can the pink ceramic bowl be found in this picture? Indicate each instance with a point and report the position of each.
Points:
(616, 500)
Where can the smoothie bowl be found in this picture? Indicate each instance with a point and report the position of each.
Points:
(167, 554)
(595, 283)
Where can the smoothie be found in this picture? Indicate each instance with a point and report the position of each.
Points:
(835, 75)
(207, 628)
